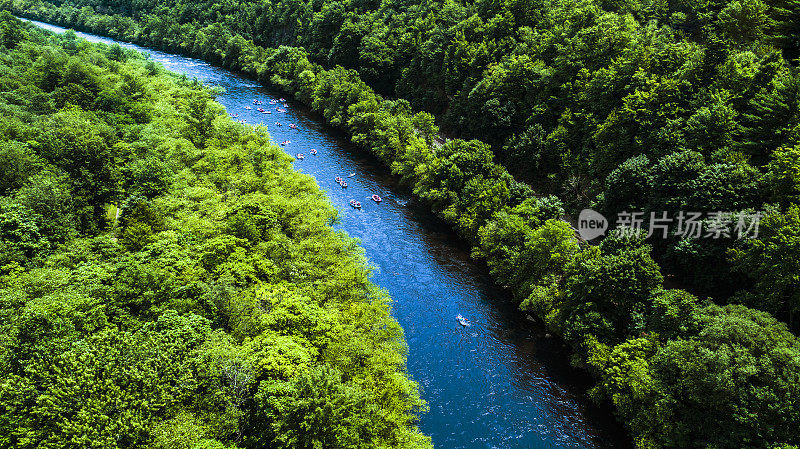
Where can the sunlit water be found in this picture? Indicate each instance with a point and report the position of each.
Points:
(496, 384)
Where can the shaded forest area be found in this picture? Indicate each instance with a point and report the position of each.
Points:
(636, 105)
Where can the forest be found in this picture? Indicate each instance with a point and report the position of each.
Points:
(548, 107)
(698, 102)
(167, 280)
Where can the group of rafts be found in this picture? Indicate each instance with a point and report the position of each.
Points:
(300, 156)
(265, 111)
(357, 204)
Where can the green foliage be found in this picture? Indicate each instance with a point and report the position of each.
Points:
(628, 105)
(573, 98)
(527, 247)
(11, 31)
(609, 291)
(20, 237)
(770, 261)
(734, 373)
(317, 409)
(162, 268)
(783, 175)
(17, 163)
(625, 184)
(673, 314)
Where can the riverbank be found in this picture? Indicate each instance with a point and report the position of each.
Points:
(187, 322)
(606, 302)
(504, 360)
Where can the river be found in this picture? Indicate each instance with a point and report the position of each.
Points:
(500, 383)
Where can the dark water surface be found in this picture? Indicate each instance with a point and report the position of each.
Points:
(497, 384)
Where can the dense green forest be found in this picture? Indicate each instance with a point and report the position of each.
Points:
(167, 280)
(622, 106)
(695, 100)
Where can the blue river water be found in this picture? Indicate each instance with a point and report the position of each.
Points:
(500, 383)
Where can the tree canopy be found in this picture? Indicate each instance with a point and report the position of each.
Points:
(552, 106)
(167, 280)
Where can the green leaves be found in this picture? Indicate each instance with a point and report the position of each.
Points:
(770, 262)
(12, 31)
(783, 175)
(609, 290)
(17, 162)
(20, 237)
(221, 307)
(201, 113)
(736, 375)
(318, 410)
(630, 105)
(115, 378)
